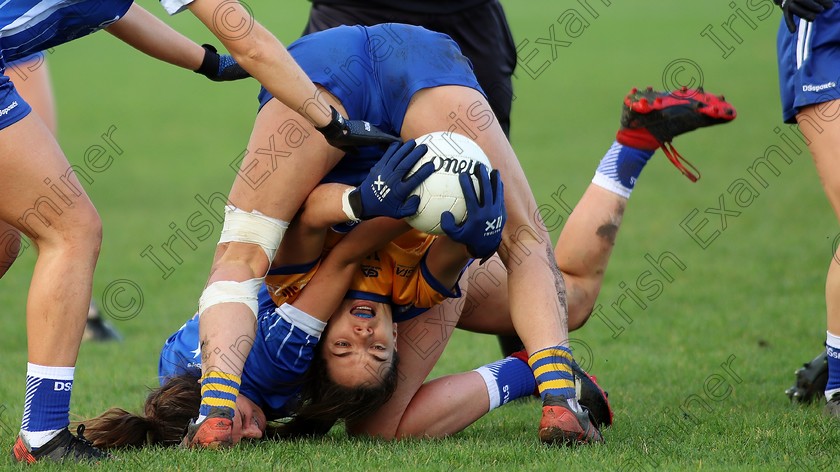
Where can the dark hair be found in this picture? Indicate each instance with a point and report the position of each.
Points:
(169, 409)
(323, 402)
(167, 412)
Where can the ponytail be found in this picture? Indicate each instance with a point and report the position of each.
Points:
(167, 412)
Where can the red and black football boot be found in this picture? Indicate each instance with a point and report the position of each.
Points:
(651, 119)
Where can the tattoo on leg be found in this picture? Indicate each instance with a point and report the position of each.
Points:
(559, 283)
(607, 232)
(205, 354)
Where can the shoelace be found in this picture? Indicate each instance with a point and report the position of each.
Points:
(81, 444)
(677, 159)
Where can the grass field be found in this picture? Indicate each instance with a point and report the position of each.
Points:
(695, 372)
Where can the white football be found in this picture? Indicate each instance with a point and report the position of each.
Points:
(452, 154)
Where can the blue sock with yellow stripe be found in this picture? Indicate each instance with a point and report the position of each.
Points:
(553, 371)
(218, 390)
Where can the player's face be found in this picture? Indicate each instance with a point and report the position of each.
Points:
(249, 420)
(359, 342)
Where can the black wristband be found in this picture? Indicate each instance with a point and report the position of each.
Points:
(210, 65)
(336, 127)
(355, 200)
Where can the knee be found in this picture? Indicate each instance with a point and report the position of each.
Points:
(85, 233)
(241, 261)
(78, 233)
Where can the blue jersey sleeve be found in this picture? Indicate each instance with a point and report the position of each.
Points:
(281, 354)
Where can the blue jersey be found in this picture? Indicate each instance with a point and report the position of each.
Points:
(281, 354)
(374, 71)
(809, 63)
(29, 26)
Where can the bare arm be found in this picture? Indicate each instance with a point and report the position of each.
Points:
(446, 260)
(263, 56)
(304, 240)
(148, 34)
(324, 293)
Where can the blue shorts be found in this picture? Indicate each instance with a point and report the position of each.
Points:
(809, 63)
(35, 56)
(13, 108)
(30, 27)
(374, 71)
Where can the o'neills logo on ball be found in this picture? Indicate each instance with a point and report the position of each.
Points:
(453, 165)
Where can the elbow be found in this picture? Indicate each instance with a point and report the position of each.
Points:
(253, 49)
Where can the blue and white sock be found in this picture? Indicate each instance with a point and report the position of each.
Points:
(46, 407)
(620, 167)
(506, 380)
(832, 347)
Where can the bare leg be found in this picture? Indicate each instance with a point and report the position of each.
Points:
(445, 406)
(585, 246)
(449, 404)
(824, 143)
(66, 230)
(535, 287)
(581, 257)
(285, 159)
(33, 84)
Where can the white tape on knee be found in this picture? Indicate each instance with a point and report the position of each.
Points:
(230, 291)
(254, 228)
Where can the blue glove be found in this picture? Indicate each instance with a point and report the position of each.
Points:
(386, 191)
(481, 231)
(348, 134)
(220, 68)
(805, 9)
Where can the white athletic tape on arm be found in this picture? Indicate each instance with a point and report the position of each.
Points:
(230, 291)
(254, 228)
(345, 205)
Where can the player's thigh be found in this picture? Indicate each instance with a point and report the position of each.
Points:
(285, 159)
(486, 308)
(41, 196)
(33, 84)
(465, 111)
(823, 134)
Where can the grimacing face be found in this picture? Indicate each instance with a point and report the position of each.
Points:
(359, 342)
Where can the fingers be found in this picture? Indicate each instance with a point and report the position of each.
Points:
(485, 187)
(449, 226)
(498, 187)
(471, 194)
(791, 24)
(409, 158)
(410, 206)
(386, 158)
